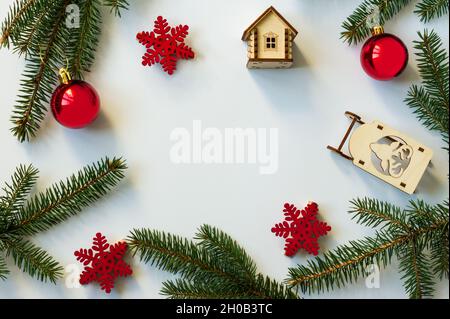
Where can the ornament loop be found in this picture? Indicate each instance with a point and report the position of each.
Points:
(377, 30)
(64, 76)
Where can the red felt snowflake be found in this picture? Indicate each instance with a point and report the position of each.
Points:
(105, 266)
(165, 45)
(301, 229)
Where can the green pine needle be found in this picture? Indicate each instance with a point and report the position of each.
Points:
(345, 264)
(356, 28)
(17, 191)
(430, 101)
(439, 251)
(213, 267)
(234, 257)
(21, 218)
(66, 199)
(116, 6)
(417, 271)
(4, 272)
(84, 40)
(185, 289)
(34, 28)
(430, 9)
(18, 17)
(34, 261)
(372, 213)
(40, 78)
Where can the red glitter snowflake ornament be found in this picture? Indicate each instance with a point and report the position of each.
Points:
(165, 45)
(301, 229)
(105, 266)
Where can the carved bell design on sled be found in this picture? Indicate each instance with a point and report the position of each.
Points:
(386, 153)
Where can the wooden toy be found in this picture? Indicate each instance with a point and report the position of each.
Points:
(386, 153)
(270, 39)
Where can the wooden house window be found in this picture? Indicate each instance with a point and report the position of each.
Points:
(271, 41)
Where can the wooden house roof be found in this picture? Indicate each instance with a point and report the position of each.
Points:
(247, 32)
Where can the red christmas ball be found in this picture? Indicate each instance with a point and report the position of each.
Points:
(75, 104)
(384, 56)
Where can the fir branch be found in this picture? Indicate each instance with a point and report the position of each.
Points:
(173, 254)
(18, 16)
(430, 9)
(272, 289)
(372, 213)
(32, 34)
(347, 263)
(3, 269)
(39, 77)
(16, 192)
(427, 110)
(356, 28)
(439, 253)
(417, 273)
(116, 6)
(216, 267)
(425, 215)
(432, 61)
(84, 40)
(234, 257)
(47, 209)
(64, 200)
(185, 289)
(181, 256)
(34, 261)
(430, 101)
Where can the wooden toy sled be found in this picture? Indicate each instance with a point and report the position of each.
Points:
(385, 153)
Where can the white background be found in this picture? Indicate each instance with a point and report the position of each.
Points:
(141, 107)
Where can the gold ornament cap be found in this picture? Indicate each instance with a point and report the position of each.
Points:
(377, 30)
(64, 76)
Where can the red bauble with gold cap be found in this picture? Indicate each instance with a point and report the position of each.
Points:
(384, 56)
(75, 103)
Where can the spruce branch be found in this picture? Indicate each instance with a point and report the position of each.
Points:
(84, 40)
(427, 10)
(439, 251)
(213, 267)
(34, 261)
(17, 191)
(39, 78)
(31, 34)
(116, 5)
(345, 264)
(430, 101)
(185, 289)
(18, 16)
(372, 213)
(64, 200)
(3, 269)
(417, 273)
(356, 27)
(173, 254)
(349, 262)
(234, 257)
(20, 218)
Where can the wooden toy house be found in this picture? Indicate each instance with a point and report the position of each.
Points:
(270, 39)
